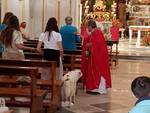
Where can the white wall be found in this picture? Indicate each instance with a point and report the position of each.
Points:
(3, 8)
(14, 6)
(36, 16)
(26, 15)
(50, 10)
(36, 23)
(64, 11)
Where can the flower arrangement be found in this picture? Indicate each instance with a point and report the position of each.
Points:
(146, 40)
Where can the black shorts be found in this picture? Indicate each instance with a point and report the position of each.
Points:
(0, 55)
(52, 55)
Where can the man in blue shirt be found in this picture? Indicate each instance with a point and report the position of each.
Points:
(69, 35)
(141, 89)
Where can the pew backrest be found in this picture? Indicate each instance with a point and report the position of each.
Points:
(30, 92)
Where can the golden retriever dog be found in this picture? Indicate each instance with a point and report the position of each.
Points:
(70, 81)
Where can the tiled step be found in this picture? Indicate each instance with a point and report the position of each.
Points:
(134, 57)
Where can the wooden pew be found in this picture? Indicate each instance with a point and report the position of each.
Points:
(30, 44)
(36, 95)
(10, 111)
(77, 53)
(29, 40)
(33, 56)
(55, 84)
(113, 57)
(112, 54)
(72, 59)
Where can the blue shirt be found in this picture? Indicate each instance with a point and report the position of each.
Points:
(69, 38)
(141, 106)
(2, 27)
(1, 47)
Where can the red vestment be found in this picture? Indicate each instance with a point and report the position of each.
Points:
(97, 64)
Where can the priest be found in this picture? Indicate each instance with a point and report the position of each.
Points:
(95, 61)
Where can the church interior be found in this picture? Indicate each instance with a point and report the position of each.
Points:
(25, 89)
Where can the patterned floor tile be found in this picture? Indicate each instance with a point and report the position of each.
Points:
(102, 112)
(63, 110)
(108, 106)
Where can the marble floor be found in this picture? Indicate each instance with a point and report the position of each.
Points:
(119, 98)
(131, 49)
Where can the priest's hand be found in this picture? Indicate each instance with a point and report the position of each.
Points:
(89, 44)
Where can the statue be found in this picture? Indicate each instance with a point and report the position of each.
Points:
(99, 5)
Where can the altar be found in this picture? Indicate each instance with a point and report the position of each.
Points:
(138, 29)
(139, 21)
(105, 27)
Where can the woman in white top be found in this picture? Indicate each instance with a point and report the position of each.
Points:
(52, 44)
(52, 47)
(12, 39)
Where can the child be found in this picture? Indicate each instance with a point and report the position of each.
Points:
(23, 30)
(141, 89)
(114, 31)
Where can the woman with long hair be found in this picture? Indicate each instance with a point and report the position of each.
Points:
(12, 39)
(7, 16)
(3, 26)
(52, 42)
(5, 20)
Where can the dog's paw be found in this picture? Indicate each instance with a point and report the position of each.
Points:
(71, 104)
(65, 104)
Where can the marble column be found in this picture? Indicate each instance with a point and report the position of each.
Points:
(14, 7)
(130, 36)
(3, 8)
(35, 18)
(31, 15)
(51, 9)
(37, 12)
(58, 12)
(138, 38)
(21, 11)
(26, 15)
(64, 11)
(70, 8)
(122, 13)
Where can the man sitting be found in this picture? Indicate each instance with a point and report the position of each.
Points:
(69, 35)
